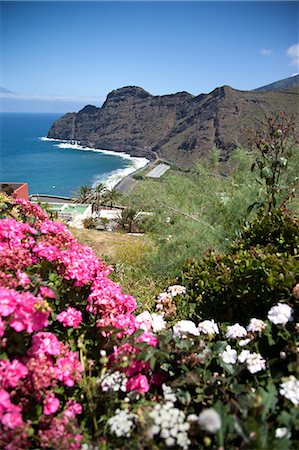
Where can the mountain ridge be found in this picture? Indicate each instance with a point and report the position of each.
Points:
(179, 128)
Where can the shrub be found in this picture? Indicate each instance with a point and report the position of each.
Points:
(56, 303)
(277, 229)
(90, 223)
(260, 270)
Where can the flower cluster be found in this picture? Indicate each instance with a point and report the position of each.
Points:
(169, 422)
(70, 318)
(165, 303)
(42, 263)
(122, 423)
(280, 314)
(290, 390)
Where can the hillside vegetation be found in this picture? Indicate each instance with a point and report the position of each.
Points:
(189, 213)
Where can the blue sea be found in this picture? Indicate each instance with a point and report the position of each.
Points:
(54, 167)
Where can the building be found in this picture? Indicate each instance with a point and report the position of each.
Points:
(16, 190)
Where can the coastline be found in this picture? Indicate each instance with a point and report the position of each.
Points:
(113, 179)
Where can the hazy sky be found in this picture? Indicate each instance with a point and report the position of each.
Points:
(86, 49)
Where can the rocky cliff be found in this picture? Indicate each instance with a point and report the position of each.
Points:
(179, 128)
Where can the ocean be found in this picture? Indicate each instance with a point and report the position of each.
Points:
(54, 167)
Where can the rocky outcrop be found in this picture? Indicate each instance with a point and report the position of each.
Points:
(179, 128)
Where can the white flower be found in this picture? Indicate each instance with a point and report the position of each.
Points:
(235, 331)
(209, 420)
(229, 356)
(290, 390)
(164, 296)
(255, 363)
(170, 441)
(170, 423)
(176, 289)
(168, 394)
(192, 418)
(113, 381)
(151, 322)
(282, 432)
(280, 314)
(122, 423)
(243, 356)
(256, 325)
(208, 327)
(158, 323)
(244, 342)
(183, 327)
(145, 321)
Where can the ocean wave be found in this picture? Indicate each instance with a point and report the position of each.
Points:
(110, 179)
(44, 138)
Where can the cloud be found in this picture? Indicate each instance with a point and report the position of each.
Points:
(266, 51)
(50, 98)
(293, 53)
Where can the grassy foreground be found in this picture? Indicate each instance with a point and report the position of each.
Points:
(126, 253)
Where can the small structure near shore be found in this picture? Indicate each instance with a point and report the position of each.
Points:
(15, 189)
(158, 171)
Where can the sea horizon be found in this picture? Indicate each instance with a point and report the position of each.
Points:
(54, 166)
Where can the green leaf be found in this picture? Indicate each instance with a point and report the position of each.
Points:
(269, 398)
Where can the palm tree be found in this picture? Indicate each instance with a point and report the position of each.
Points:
(112, 196)
(98, 194)
(83, 195)
(127, 218)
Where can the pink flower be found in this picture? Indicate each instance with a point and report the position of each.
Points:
(12, 419)
(51, 404)
(45, 343)
(8, 301)
(25, 310)
(11, 372)
(2, 327)
(47, 251)
(138, 383)
(10, 414)
(70, 318)
(46, 292)
(72, 408)
(149, 338)
(5, 402)
(68, 369)
(23, 278)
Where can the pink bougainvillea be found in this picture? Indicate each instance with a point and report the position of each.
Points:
(138, 383)
(42, 264)
(70, 318)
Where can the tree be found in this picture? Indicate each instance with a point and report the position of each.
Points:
(98, 195)
(274, 146)
(83, 195)
(127, 219)
(112, 196)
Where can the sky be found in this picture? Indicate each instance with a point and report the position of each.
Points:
(59, 56)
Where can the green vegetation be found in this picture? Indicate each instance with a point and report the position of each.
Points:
(259, 270)
(203, 210)
(190, 214)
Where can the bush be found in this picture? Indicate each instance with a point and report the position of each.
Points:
(58, 309)
(90, 223)
(277, 229)
(261, 269)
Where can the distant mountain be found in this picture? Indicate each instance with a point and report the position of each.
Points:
(179, 128)
(286, 83)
